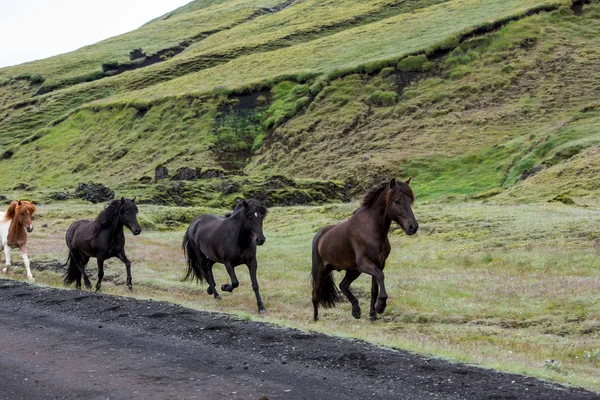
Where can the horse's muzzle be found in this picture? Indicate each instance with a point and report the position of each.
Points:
(29, 229)
(412, 229)
(136, 231)
(260, 241)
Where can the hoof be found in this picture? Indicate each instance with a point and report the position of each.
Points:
(130, 288)
(4, 269)
(373, 318)
(97, 288)
(263, 311)
(31, 279)
(88, 286)
(356, 314)
(209, 290)
(226, 288)
(380, 306)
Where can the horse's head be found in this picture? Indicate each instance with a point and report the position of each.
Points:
(399, 200)
(128, 215)
(254, 214)
(22, 211)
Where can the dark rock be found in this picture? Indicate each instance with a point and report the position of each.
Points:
(170, 195)
(94, 192)
(145, 179)
(60, 196)
(561, 198)
(229, 187)
(2, 197)
(531, 171)
(136, 53)
(212, 173)
(160, 172)
(23, 186)
(7, 154)
(186, 174)
(278, 182)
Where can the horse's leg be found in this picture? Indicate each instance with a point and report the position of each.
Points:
(86, 279)
(125, 260)
(80, 261)
(252, 267)
(234, 281)
(211, 279)
(26, 262)
(374, 294)
(369, 267)
(7, 255)
(100, 273)
(350, 277)
(4, 246)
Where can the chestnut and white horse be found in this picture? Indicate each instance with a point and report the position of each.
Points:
(15, 223)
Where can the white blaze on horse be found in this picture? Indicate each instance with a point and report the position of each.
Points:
(15, 223)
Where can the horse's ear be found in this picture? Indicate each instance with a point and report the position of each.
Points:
(19, 202)
(245, 203)
(133, 200)
(393, 183)
(122, 200)
(408, 180)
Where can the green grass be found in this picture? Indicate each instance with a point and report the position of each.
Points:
(387, 39)
(501, 286)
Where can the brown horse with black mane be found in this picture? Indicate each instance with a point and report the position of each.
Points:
(359, 245)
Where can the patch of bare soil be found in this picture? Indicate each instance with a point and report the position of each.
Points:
(73, 344)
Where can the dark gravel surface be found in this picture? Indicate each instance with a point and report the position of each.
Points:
(62, 344)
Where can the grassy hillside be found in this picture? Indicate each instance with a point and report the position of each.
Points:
(468, 114)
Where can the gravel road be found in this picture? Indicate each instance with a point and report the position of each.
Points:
(68, 344)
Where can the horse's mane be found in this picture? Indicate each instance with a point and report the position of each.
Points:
(254, 206)
(108, 216)
(12, 208)
(373, 194)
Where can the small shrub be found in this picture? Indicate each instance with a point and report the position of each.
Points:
(382, 98)
(412, 63)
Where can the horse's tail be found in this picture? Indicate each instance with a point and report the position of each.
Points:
(73, 272)
(196, 266)
(328, 296)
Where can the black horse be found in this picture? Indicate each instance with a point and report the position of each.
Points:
(231, 241)
(102, 238)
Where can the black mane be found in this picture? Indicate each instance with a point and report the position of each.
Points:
(254, 206)
(371, 196)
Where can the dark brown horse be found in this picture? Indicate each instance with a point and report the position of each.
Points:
(359, 245)
(102, 238)
(231, 241)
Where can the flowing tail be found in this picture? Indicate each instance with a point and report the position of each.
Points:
(73, 273)
(196, 266)
(328, 294)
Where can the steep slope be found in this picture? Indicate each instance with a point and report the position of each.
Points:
(451, 92)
